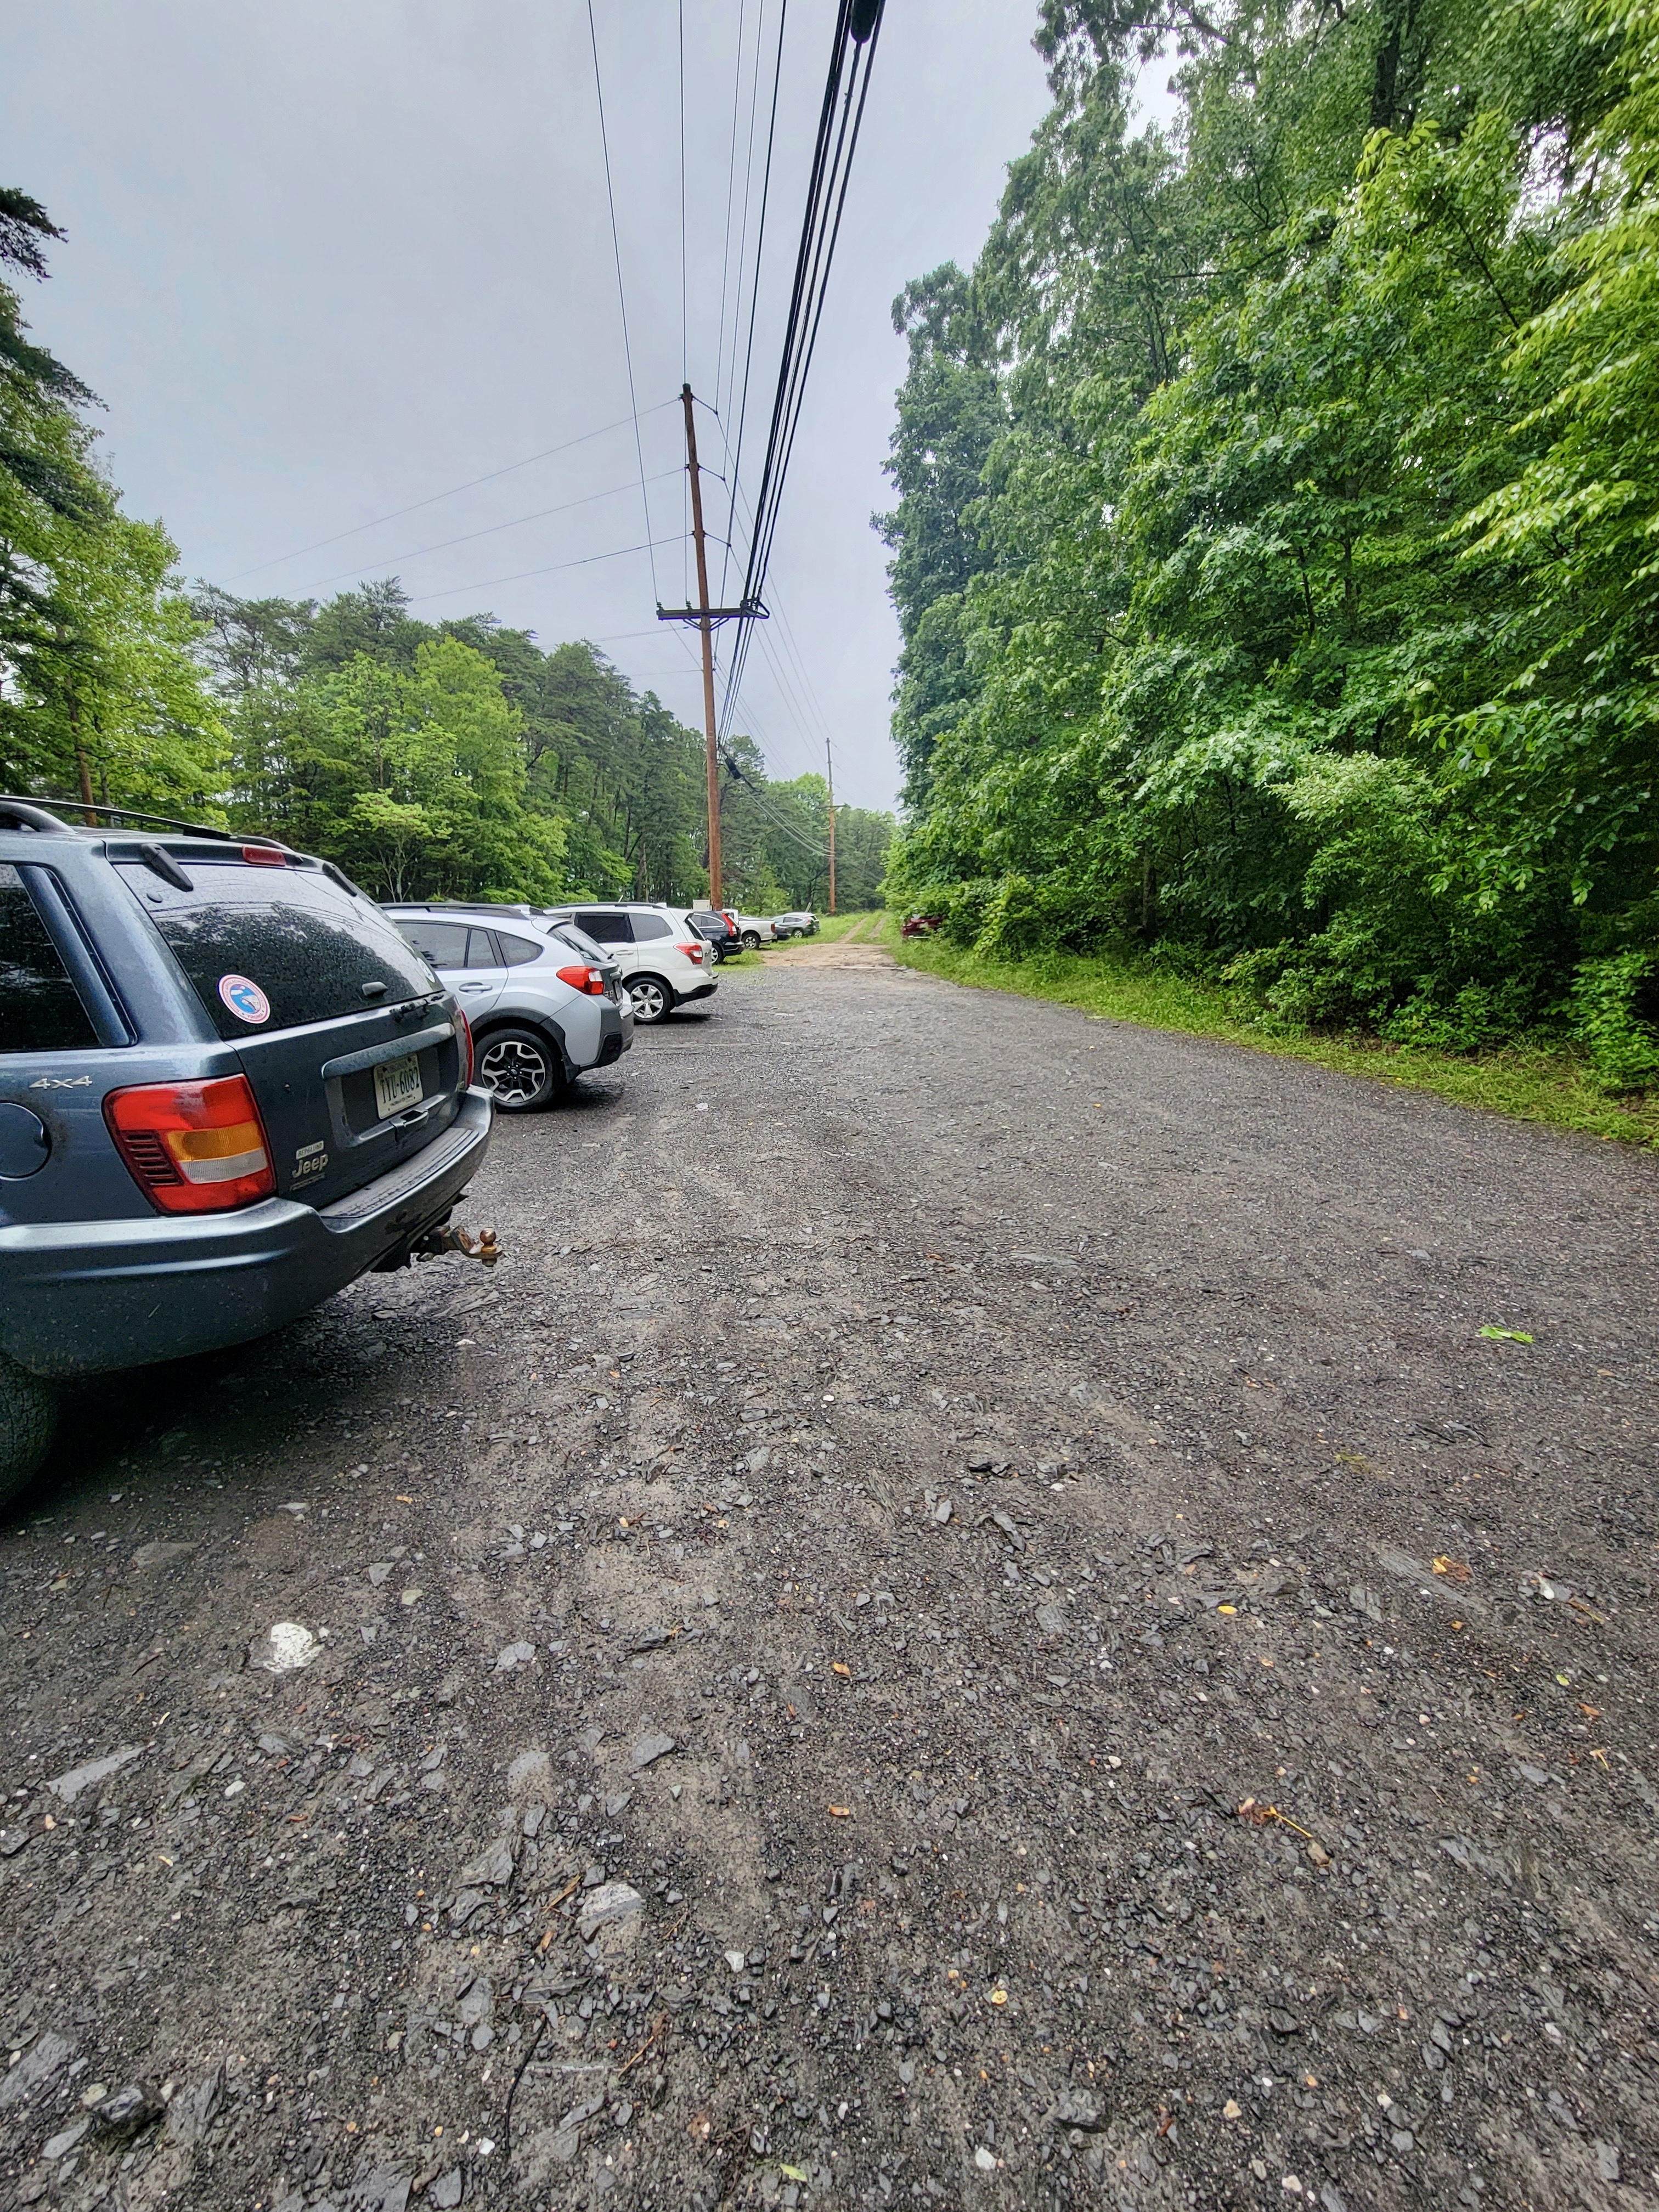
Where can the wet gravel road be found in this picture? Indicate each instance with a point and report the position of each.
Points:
(968, 1619)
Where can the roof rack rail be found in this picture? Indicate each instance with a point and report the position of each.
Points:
(172, 822)
(132, 814)
(26, 814)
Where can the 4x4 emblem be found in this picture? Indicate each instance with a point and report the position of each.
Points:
(61, 1082)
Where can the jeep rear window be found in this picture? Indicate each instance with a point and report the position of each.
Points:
(41, 1009)
(305, 946)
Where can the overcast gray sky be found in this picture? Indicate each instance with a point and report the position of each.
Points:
(326, 261)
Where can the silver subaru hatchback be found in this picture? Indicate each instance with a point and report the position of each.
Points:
(545, 1002)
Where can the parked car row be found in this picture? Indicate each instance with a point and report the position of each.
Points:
(230, 1083)
(729, 933)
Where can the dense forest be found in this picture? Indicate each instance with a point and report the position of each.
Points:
(450, 760)
(1277, 535)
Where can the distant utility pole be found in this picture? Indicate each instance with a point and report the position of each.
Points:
(830, 764)
(705, 618)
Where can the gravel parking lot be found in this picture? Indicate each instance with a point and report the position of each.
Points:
(968, 1619)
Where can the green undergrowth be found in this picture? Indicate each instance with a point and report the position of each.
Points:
(1542, 1082)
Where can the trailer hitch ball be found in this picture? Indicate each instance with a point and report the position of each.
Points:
(437, 1242)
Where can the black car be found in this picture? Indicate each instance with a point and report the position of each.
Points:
(227, 1087)
(716, 931)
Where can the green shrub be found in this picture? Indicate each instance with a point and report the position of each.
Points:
(1607, 1006)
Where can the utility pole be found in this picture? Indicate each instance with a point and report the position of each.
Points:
(706, 618)
(830, 764)
(706, 630)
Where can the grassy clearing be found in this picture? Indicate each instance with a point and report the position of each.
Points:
(832, 927)
(1541, 1083)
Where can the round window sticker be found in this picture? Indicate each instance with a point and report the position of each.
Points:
(245, 999)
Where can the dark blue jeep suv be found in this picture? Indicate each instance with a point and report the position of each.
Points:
(229, 1086)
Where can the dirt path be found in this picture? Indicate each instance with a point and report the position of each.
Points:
(856, 949)
(967, 1619)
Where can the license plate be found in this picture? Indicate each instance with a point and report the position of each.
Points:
(396, 1085)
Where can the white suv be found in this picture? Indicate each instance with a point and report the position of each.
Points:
(663, 960)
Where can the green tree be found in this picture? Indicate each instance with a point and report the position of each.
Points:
(1274, 552)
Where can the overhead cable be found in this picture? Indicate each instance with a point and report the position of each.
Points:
(736, 448)
(492, 530)
(858, 28)
(455, 490)
(487, 583)
(622, 297)
(731, 188)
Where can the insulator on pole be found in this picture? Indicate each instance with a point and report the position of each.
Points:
(863, 19)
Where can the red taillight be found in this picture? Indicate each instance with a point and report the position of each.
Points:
(193, 1147)
(691, 952)
(263, 856)
(466, 1039)
(583, 979)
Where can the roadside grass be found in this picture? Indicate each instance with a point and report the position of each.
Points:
(1546, 1082)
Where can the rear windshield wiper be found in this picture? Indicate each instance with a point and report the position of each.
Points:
(162, 863)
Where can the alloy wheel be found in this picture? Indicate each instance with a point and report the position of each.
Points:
(512, 1070)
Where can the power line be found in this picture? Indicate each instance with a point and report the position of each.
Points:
(760, 248)
(685, 342)
(778, 821)
(622, 297)
(443, 545)
(455, 490)
(788, 641)
(783, 683)
(857, 26)
(685, 336)
(487, 583)
(731, 187)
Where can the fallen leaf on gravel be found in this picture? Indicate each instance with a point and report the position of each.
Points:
(1504, 1335)
(1232, 2110)
(841, 1812)
(840, 1667)
(999, 1997)
(1455, 1570)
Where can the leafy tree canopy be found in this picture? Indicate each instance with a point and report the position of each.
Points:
(1275, 547)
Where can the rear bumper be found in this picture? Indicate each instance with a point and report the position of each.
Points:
(82, 1297)
(703, 990)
